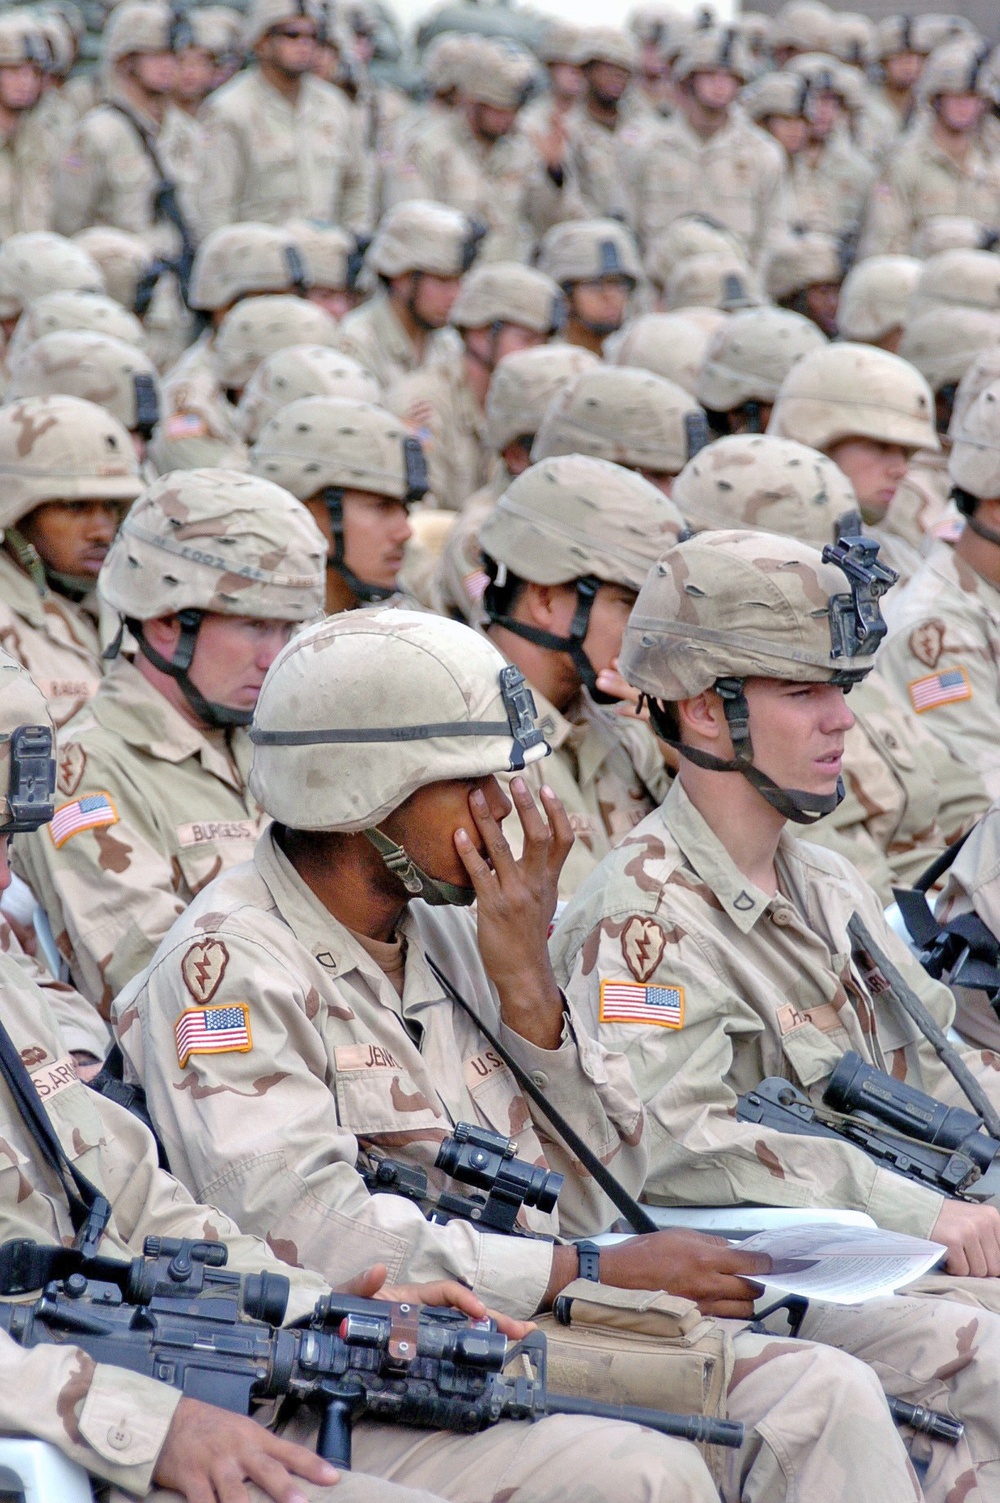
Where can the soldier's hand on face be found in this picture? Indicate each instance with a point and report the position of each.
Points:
(516, 901)
(209, 1454)
(719, 1278)
(971, 1234)
(371, 1285)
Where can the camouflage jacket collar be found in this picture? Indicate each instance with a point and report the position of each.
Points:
(19, 594)
(945, 563)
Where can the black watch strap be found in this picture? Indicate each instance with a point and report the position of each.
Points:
(589, 1267)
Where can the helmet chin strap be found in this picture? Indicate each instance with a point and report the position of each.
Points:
(794, 803)
(370, 594)
(418, 883)
(586, 589)
(221, 717)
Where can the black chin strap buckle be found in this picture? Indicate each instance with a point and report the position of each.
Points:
(333, 497)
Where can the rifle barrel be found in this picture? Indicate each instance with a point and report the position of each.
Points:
(697, 1427)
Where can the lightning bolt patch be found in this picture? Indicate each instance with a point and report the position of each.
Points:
(203, 968)
(643, 943)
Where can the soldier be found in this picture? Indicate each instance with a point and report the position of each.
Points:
(943, 651)
(601, 137)
(501, 307)
(947, 164)
(338, 964)
(778, 102)
(152, 776)
(668, 344)
(303, 370)
(942, 343)
(628, 417)
(102, 370)
(202, 53)
(745, 363)
(57, 312)
(596, 263)
(803, 274)
(874, 299)
(713, 949)
(903, 45)
(958, 279)
(831, 177)
(688, 235)
(69, 471)
(122, 256)
(478, 160)
(333, 260)
(521, 389)
(557, 50)
(280, 143)
(565, 551)
(715, 279)
(418, 257)
(971, 887)
(26, 154)
(801, 26)
(37, 263)
(870, 412)
(134, 1433)
(358, 471)
(708, 157)
(906, 796)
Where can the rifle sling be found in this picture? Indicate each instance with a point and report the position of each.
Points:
(637, 1218)
(89, 1210)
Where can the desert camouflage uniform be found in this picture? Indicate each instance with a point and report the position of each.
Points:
(458, 583)
(829, 193)
(114, 1423)
(374, 335)
(183, 815)
(947, 620)
(438, 407)
(198, 426)
(81, 1028)
(919, 182)
(505, 185)
(55, 639)
(918, 513)
(267, 160)
(737, 177)
(26, 201)
(601, 162)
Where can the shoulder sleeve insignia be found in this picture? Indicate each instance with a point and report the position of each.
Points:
(643, 943)
(92, 812)
(926, 642)
(628, 1002)
(72, 766)
(213, 1030)
(936, 689)
(203, 968)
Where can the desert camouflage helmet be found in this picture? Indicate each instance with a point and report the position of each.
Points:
(584, 250)
(22, 40)
(361, 711)
(855, 391)
(303, 370)
(505, 292)
(138, 26)
(943, 232)
(213, 541)
(258, 326)
(38, 262)
(58, 52)
(574, 520)
(331, 255)
(499, 73)
(624, 415)
(714, 50)
(105, 371)
(714, 279)
(122, 256)
(944, 342)
(688, 235)
(61, 448)
(958, 67)
(825, 74)
(606, 44)
(875, 295)
(768, 484)
(958, 278)
(726, 606)
(750, 356)
(324, 446)
(58, 311)
(559, 42)
(524, 384)
(806, 25)
(441, 64)
(216, 28)
(854, 39)
(797, 262)
(974, 460)
(264, 15)
(983, 371)
(419, 235)
(784, 94)
(898, 34)
(240, 259)
(668, 344)
(27, 763)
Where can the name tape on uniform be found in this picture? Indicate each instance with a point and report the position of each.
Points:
(213, 1030)
(92, 812)
(638, 1002)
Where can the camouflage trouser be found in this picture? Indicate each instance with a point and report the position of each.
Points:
(940, 1352)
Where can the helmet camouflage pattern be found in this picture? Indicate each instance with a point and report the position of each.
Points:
(855, 391)
(38, 262)
(320, 442)
(60, 448)
(624, 415)
(750, 356)
(301, 370)
(77, 363)
(259, 326)
(523, 385)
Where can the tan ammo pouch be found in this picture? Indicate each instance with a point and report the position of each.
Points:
(639, 1346)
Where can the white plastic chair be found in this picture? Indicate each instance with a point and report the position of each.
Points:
(39, 1473)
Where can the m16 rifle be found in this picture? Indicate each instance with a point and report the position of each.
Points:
(903, 1129)
(178, 1315)
(474, 1156)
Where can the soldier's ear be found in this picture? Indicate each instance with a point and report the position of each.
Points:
(701, 718)
(162, 633)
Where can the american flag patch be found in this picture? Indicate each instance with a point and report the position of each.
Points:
(92, 812)
(213, 1030)
(635, 1002)
(939, 689)
(475, 585)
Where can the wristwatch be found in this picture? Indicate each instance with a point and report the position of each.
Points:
(589, 1266)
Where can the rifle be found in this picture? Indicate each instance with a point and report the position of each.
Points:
(176, 1314)
(903, 1129)
(165, 206)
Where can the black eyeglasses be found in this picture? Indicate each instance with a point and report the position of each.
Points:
(294, 34)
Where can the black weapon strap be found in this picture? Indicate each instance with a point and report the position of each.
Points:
(637, 1218)
(89, 1210)
(149, 144)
